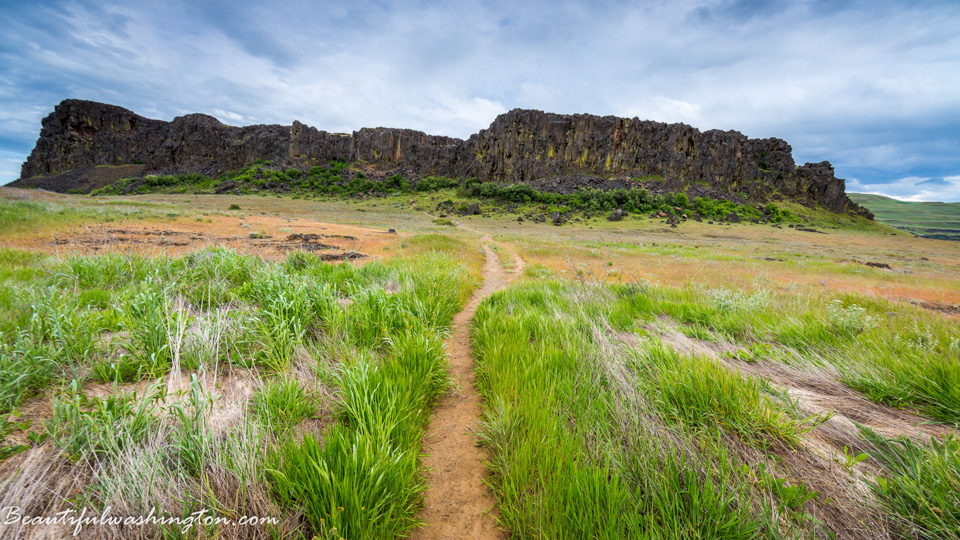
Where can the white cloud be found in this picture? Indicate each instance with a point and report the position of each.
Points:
(911, 188)
(228, 117)
(819, 78)
(664, 109)
(9, 167)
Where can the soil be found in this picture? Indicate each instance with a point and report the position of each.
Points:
(844, 505)
(457, 503)
(816, 391)
(337, 247)
(946, 309)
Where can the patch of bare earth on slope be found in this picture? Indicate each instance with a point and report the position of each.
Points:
(845, 505)
(815, 389)
(458, 503)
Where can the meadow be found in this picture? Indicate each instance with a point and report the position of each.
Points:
(927, 219)
(638, 380)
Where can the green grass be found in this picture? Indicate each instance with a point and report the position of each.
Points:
(588, 439)
(908, 360)
(30, 216)
(365, 482)
(590, 416)
(927, 219)
(283, 403)
(700, 392)
(373, 334)
(920, 484)
(96, 428)
(598, 425)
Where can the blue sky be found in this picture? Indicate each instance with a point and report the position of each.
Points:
(873, 86)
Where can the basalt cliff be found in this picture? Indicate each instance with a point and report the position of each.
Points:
(84, 145)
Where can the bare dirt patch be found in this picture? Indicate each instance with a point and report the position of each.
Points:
(270, 238)
(819, 392)
(815, 390)
(952, 310)
(843, 504)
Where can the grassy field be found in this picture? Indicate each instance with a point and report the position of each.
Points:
(629, 411)
(221, 383)
(926, 219)
(198, 355)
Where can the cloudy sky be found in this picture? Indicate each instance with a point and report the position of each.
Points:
(872, 86)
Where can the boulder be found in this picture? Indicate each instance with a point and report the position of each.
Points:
(617, 215)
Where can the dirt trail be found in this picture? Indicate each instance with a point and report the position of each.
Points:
(457, 503)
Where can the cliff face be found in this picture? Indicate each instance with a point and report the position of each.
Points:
(521, 145)
(83, 133)
(526, 145)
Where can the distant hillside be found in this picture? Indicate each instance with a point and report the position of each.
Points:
(926, 219)
(81, 137)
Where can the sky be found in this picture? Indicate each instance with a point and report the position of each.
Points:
(873, 86)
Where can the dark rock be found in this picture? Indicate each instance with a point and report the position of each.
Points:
(617, 215)
(226, 186)
(733, 217)
(551, 151)
(884, 266)
(345, 256)
(473, 210)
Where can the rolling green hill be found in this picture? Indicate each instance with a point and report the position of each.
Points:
(927, 219)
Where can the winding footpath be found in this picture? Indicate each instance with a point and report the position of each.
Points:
(457, 503)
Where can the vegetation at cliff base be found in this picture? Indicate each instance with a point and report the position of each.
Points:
(340, 179)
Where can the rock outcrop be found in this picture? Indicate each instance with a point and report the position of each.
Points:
(525, 145)
(519, 146)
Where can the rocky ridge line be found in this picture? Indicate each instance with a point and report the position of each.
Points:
(519, 146)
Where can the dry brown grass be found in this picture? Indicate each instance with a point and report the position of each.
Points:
(737, 256)
(197, 224)
(40, 482)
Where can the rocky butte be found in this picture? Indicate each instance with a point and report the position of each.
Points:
(79, 138)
